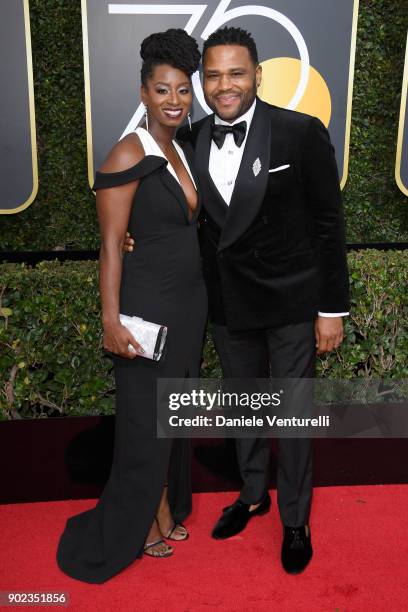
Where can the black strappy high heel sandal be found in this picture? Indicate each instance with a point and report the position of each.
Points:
(150, 552)
(176, 526)
(182, 531)
(166, 550)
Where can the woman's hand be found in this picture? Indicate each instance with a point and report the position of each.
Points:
(128, 243)
(116, 338)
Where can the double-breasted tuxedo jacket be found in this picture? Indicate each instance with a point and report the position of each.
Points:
(276, 254)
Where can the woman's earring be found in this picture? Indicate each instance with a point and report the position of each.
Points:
(146, 119)
(189, 120)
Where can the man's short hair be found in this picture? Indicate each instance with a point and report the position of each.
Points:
(232, 36)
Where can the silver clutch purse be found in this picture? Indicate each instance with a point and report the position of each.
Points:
(150, 336)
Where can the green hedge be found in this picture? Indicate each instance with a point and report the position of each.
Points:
(63, 213)
(51, 356)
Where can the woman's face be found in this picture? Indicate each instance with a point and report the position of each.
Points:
(168, 95)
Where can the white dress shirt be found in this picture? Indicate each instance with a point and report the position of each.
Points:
(224, 165)
(225, 162)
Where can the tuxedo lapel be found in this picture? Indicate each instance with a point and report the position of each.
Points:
(252, 178)
(213, 202)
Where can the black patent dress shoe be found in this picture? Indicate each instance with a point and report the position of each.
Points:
(296, 549)
(236, 517)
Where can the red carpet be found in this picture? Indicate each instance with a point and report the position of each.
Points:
(359, 535)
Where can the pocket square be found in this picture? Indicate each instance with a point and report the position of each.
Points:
(279, 168)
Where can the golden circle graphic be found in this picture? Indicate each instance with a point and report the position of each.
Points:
(280, 77)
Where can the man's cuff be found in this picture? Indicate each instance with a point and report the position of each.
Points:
(333, 314)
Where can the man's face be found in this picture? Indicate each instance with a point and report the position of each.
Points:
(230, 80)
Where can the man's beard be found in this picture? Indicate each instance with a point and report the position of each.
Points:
(246, 103)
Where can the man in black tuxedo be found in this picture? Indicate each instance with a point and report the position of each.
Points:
(274, 260)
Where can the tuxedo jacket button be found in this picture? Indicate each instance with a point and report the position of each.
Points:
(256, 253)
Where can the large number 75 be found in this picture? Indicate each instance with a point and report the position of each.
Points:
(218, 19)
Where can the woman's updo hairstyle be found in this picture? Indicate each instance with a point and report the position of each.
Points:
(174, 47)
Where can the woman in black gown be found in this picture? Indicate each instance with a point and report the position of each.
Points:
(146, 186)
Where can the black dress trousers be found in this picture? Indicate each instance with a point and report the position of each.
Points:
(286, 351)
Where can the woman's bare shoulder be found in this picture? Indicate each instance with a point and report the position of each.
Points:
(126, 153)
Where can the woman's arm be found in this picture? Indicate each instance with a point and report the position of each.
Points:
(113, 207)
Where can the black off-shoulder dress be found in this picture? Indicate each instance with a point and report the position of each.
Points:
(161, 282)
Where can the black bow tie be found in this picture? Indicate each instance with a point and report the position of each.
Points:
(220, 131)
